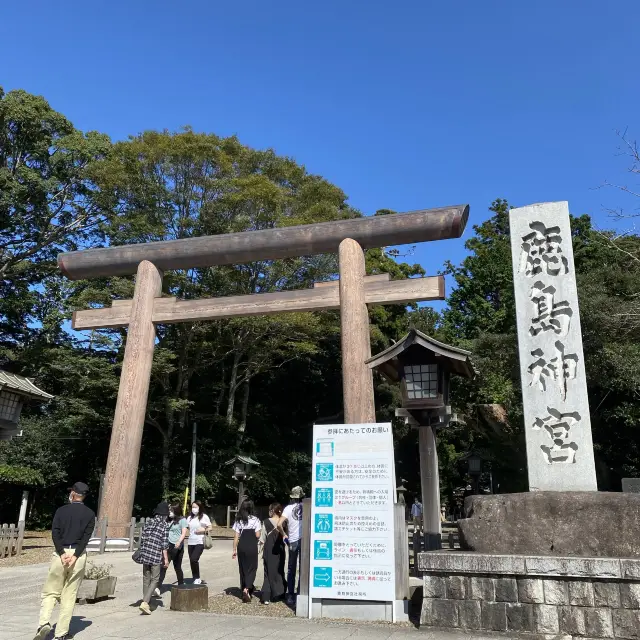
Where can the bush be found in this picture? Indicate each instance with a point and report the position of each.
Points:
(97, 571)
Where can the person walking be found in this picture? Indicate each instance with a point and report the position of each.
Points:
(273, 554)
(154, 545)
(416, 515)
(71, 529)
(247, 529)
(198, 523)
(292, 516)
(178, 531)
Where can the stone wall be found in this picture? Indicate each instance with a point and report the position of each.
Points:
(567, 597)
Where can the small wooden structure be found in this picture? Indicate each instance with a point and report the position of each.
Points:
(189, 597)
(351, 294)
(423, 367)
(14, 391)
(11, 539)
(98, 542)
(94, 590)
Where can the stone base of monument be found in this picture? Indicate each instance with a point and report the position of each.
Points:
(566, 597)
(189, 597)
(575, 523)
(353, 609)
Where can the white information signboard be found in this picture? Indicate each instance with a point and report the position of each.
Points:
(352, 546)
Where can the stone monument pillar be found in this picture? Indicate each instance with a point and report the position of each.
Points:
(554, 390)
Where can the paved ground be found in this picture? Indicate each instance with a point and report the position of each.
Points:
(119, 617)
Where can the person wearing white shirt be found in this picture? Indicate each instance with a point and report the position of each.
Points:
(198, 523)
(292, 515)
(245, 547)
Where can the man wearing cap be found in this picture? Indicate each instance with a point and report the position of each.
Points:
(72, 527)
(292, 515)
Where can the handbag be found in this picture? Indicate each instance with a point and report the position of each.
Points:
(208, 542)
(137, 555)
(263, 538)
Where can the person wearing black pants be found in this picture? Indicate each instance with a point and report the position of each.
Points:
(245, 547)
(292, 521)
(178, 531)
(198, 523)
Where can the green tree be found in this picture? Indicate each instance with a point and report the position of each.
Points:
(47, 203)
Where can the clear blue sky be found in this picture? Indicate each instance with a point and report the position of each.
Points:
(403, 105)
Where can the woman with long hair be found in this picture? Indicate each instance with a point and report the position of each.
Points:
(245, 547)
(198, 523)
(178, 531)
(273, 553)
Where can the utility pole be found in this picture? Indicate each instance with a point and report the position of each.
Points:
(193, 464)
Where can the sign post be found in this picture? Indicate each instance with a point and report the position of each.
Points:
(352, 554)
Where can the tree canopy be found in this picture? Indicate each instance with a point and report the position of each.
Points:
(256, 384)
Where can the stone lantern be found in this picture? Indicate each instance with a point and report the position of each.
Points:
(423, 367)
(242, 466)
(474, 468)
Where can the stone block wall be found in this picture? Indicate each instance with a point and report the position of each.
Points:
(567, 597)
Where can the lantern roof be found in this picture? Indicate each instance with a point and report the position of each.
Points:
(22, 386)
(453, 359)
(243, 459)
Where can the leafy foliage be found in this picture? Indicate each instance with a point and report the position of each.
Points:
(97, 571)
(20, 475)
(256, 384)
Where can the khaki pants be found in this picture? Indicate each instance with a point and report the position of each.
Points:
(417, 523)
(61, 586)
(150, 580)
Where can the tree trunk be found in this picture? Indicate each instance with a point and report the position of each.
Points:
(167, 438)
(243, 416)
(233, 386)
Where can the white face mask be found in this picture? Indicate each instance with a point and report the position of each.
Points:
(171, 514)
(195, 510)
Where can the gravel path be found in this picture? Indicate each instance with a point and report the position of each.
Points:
(230, 603)
(36, 548)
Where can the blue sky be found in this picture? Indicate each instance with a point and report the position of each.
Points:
(403, 105)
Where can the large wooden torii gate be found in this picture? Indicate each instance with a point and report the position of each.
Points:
(351, 294)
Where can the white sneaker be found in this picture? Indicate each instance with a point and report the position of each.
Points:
(197, 581)
(157, 592)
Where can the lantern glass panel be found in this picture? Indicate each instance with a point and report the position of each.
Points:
(421, 381)
(475, 465)
(10, 405)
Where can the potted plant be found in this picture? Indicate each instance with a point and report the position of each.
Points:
(98, 582)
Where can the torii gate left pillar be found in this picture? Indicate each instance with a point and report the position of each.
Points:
(128, 421)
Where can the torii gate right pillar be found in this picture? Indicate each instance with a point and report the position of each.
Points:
(357, 377)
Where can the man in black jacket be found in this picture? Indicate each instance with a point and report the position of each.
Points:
(72, 527)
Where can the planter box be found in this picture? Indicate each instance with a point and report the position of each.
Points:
(96, 589)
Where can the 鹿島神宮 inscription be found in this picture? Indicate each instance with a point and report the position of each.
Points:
(560, 368)
(558, 432)
(549, 315)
